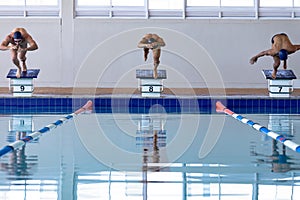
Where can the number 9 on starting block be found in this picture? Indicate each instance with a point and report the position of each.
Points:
(23, 86)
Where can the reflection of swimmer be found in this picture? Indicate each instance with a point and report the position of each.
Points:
(280, 162)
(155, 154)
(281, 48)
(19, 42)
(154, 42)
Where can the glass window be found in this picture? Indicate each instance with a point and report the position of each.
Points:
(27, 8)
(297, 3)
(42, 2)
(276, 3)
(237, 3)
(203, 3)
(183, 8)
(128, 3)
(166, 4)
(12, 2)
(108, 2)
(93, 2)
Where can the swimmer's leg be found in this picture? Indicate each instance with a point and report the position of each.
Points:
(15, 60)
(284, 64)
(156, 55)
(146, 52)
(275, 66)
(22, 57)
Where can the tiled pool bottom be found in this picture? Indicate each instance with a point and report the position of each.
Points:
(202, 105)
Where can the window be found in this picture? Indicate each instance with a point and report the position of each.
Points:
(166, 4)
(203, 3)
(234, 3)
(237, 3)
(27, 8)
(110, 3)
(276, 3)
(42, 2)
(155, 8)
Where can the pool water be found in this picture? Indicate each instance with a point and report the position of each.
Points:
(150, 156)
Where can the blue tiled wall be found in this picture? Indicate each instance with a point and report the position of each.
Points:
(145, 105)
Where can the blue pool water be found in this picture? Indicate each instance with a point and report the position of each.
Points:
(150, 155)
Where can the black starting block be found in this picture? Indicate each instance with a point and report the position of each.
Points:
(149, 86)
(282, 86)
(23, 86)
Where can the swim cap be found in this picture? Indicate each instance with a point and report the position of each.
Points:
(17, 35)
(283, 54)
(151, 40)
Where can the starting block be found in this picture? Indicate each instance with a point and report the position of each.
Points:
(149, 86)
(23, 86)
(282, 86)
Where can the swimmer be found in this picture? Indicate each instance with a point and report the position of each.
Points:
(281, 48)
(154, 42)
(19, 42)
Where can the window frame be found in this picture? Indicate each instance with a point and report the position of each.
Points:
(189, 12)
(24, 10)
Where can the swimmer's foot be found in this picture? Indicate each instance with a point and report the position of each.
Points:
(155, 74)
(18, 73)
(24, 68)
(274, 74)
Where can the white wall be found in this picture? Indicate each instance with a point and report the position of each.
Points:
(104, 53)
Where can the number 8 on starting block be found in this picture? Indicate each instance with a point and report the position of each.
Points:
(149, 86)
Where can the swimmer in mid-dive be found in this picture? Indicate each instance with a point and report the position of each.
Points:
(281, 48)
(19, 42)
(154, 42)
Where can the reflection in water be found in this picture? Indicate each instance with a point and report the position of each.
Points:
(278, 158)
(151, 136)
(67, 169)
(19, 165)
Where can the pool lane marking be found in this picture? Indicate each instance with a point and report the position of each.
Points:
(19, 143)
(288, 143)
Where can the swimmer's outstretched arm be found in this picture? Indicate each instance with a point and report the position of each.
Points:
(269, 52)
(297, 47)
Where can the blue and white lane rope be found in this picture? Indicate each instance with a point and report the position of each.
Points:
(19, 143)
(288, 143)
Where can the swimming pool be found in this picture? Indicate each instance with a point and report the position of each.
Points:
(129, 153)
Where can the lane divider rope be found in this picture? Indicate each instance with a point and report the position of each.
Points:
(19, 143)
(220, 108)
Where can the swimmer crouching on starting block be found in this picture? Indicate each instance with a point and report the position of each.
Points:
(19, 42)
(281, 48)
(154, 42)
